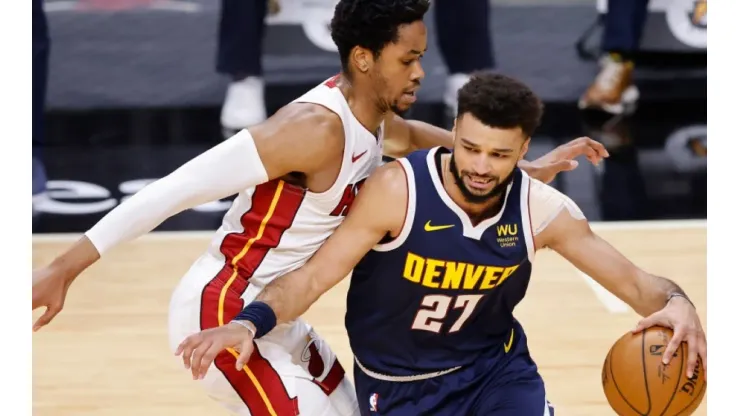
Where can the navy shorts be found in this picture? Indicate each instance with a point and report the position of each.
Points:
(502, 384)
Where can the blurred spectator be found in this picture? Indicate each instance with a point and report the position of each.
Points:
(240, 34)
(464, 40)
(614, 90)
(39, 78)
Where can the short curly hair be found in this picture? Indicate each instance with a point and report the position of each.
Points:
(371, 24)
(500, 101)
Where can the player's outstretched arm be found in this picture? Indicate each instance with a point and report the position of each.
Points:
(379, 209)
(661, 301)
(300, 137)
(405, 136)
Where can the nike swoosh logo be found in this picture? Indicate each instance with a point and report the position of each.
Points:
(357, 157)
(429, 227)
(507, 347)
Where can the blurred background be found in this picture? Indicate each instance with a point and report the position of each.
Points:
(125, 91)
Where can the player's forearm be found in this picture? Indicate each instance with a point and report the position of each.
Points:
(654, 292)
(291, 295)
(284, 299)
(426, 136)
(76, 259)
(221, 171)
(406, 136)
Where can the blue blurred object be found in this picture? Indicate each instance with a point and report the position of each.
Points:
(40, 77)
(39, 177)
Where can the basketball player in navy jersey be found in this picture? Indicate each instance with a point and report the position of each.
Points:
(442, 244)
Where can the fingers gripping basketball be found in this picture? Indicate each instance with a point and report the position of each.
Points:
(636, 382)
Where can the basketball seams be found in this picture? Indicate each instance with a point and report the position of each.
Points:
(616, 386)
(644, 375)
(678, 381)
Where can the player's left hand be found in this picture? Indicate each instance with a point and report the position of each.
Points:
(562, 158)
(681, 317)
(199, 350)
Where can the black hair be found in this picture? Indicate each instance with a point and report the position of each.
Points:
(500, 101)
(371, 24)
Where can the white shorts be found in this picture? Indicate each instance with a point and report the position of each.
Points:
(291, 371)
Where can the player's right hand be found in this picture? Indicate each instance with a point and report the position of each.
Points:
(200, 349)
(49, 289)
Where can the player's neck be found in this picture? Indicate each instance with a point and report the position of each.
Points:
(477, 212)
(363, 104)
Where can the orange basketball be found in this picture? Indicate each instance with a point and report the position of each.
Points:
(636, 382)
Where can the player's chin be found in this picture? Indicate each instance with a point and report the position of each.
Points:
(400, 109)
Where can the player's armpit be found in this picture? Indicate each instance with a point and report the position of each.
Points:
(380, 208)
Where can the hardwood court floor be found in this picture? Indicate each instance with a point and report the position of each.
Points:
(106, 354)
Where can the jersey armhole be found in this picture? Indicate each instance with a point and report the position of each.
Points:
(410, 210)
(527, 216)
(336, 107)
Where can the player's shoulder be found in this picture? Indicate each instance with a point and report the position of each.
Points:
(545, 197)
(384, 198)
(316, 116)
(311, 125)
(540, 192)
(389, 180)
(547, 204)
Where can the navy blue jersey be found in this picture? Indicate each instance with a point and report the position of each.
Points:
(442, 293)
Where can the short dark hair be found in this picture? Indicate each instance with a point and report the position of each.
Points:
(500, 101)
(371, 24)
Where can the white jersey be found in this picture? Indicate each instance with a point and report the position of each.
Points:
(276, 227)
(270, 230)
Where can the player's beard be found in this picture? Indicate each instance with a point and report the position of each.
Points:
(471, 197)
(396, 109)
(385, 103)
(380, 88)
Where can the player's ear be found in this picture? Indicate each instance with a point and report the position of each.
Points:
(525, 148)
(362, 58)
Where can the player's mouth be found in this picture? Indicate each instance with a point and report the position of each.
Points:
(410, 96)
(478, 183)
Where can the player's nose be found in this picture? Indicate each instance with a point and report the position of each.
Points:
(418, 73)
(480, 165)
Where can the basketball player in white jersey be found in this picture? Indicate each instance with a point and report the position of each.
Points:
(295, 175)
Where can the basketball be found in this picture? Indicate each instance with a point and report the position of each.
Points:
(636, 382)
